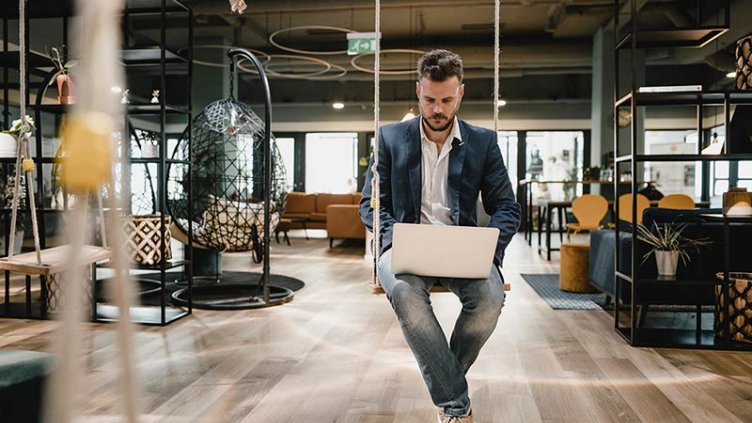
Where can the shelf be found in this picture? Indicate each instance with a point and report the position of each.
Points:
(147, 315)
(153, 6)
(155, 109)
(157, 160)
(52, 108)
(169, 264)
(679, 338)
(150, 56)
(39, 9)
(38, 64)
(671, 38)
(730, 219)
(693, 98)
(692, 157)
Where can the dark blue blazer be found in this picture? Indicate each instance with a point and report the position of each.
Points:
(475, 167)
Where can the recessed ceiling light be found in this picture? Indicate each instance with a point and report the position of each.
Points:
(501, 102)
(338, 105)
(116, 89)
(731, 75)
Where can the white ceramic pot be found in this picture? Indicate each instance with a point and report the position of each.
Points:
(667, 262)
(149, 151)
(7, 145)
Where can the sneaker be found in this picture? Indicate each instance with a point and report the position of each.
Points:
(443, 418)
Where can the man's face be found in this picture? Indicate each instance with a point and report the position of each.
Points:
(439, 101)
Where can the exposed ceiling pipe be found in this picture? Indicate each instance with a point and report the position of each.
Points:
(469, 74)
(273, 6)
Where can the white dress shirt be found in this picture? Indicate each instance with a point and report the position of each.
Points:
(434, 202)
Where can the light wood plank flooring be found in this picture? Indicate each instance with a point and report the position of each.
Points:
(336, 354)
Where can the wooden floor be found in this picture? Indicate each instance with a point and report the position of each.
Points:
(336, 354)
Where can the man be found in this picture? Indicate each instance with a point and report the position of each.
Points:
(431, 170)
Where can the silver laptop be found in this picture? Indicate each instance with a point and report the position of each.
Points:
(443, 251)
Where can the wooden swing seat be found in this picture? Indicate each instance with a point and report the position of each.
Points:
(377, 289)
(54, 260)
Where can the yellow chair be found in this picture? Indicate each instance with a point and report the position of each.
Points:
(677, 202)
(589, 211)
(625, 207)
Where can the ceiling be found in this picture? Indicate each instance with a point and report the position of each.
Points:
(546, 46)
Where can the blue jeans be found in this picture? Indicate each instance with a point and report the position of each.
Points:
(443, 364)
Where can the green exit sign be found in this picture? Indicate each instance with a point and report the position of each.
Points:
(361, 43)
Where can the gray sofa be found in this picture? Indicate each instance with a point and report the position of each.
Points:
(702, 266)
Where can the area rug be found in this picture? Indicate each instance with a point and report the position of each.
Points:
(547, 287)
(148, 284)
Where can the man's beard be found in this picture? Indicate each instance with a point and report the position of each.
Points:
(442, 128)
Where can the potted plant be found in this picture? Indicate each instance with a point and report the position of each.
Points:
(6, 187)
(669, 245)
(8, 138)
(62, 77)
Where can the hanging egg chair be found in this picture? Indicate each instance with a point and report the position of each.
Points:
(227, 180)
(225, 192)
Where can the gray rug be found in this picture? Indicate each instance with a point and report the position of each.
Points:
(659, 316)
(547, 287)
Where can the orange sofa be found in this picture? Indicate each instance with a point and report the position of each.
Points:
(337, 213)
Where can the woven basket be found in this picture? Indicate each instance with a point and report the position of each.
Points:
(56, 300)
(738, 299)
(144, 238)
(744, 63)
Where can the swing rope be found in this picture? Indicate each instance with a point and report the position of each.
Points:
(375, 191)
(22, 147)
(375, 195)
(497, 65)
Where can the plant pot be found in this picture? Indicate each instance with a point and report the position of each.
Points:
(667, 262)
(65, 89)
(737, 202)
(144, 238)
(7, 145)
(149, 151)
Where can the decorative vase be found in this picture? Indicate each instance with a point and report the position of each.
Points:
(737, 202)
(65, 89)
(744, 63)
(7, 145)
(667, 262)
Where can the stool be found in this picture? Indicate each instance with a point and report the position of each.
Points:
(283, 226)
(22, 378)
(574, 270)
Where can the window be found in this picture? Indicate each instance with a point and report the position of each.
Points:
(508, 147)
(331, 162)
(286, 148)
(555, 156)
(673, 177)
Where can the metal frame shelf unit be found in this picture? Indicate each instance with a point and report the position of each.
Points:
(161, 62)
(156, 60)
(39, 69)
(659, 290)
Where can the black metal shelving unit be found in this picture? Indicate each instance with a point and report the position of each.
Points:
(153, 59)
(660, 290)
(158, 59)
(39, 69)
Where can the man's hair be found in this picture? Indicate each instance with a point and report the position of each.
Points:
(439, 65)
